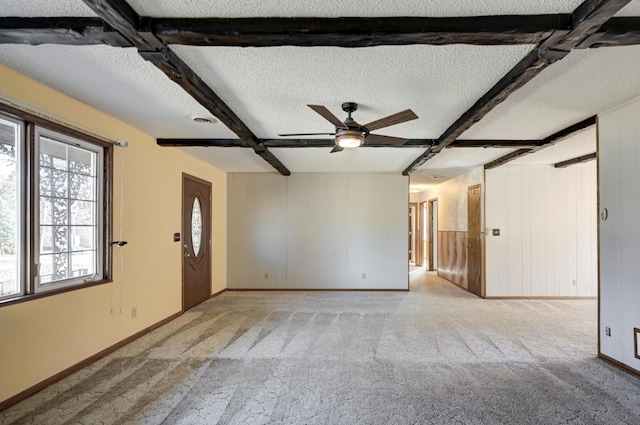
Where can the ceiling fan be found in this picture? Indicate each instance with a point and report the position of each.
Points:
(350, 134)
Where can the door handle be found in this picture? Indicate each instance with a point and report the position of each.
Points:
(186, 254)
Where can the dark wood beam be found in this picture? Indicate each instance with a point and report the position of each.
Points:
(505, 159)
(522, 73)
(356, 32)
(586, 20)
(321, 143)
(622, 31)
(468, 143)
(578, 160)
(208, 143)
(68, 31)
(122, 17)
(347, 32)
(284, 143)
(178, 71)
(545, 143)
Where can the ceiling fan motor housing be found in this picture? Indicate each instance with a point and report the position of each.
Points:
(349, 107)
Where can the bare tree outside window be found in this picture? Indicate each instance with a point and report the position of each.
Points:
(68, 211)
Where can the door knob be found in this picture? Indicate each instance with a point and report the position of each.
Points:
(186, 254)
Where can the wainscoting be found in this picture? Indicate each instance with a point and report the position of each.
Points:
(452, 257)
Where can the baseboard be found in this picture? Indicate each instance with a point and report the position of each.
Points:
(314, 290)
(218, 293)
(623, 367)
(541, 298)
(84, 363)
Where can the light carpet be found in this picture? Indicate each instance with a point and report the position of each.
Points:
(435, 355)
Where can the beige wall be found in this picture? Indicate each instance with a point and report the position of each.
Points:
(42, 337)
(452, 199)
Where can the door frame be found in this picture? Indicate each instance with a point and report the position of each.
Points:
(413, 225)
(431, 231)
(208, 221)
(480, 265)
(421, 229)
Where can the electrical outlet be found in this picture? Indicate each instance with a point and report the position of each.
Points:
(134, 312)
(607, 331)
(267, 276)
(364, 275)
(575, 282)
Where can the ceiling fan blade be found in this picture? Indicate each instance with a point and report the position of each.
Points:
(400, 117)
(327, 115)
(337, 148)
(307, 134)
(387, 140)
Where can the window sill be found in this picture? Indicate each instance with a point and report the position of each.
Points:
(24, 298)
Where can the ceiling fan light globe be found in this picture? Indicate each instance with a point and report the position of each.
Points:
(349, 139)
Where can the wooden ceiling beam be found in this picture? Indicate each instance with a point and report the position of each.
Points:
(121, 16)
(284, 143)
(469, 143)
(321, 143)
(578, 160)
(586, 20)
(545, 143)
(67, 31)
(476, 30)
(357, 32)
(617, 31)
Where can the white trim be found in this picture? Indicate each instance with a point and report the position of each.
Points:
(99, 192)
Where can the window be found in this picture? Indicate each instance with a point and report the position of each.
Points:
(54, 207)
(11, 206)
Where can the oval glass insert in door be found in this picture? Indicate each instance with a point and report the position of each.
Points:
(196, 226)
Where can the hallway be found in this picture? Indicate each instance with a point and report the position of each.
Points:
(436, 354)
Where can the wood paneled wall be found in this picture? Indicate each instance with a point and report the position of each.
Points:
(452, 257)
(547, 220)
(318, 231)
(619, 233)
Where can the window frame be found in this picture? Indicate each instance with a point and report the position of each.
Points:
(31, 124)
(58, 137)
(20, 202)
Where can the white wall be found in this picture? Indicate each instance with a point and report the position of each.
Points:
(618, 142)
(318, 230)
(547, 219)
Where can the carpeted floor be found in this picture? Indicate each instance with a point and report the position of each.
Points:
(435, 355)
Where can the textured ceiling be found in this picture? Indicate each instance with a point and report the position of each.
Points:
(453, 162)
(31, 8)
(578, 144)
(268, 88)
(583, 84)
(118, 82)
(241, 160)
